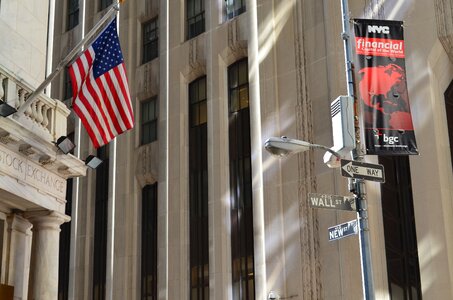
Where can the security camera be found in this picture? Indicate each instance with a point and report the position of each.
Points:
(273, 296)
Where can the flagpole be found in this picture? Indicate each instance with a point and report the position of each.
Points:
(113, 9)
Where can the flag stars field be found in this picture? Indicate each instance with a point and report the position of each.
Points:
(101, 93)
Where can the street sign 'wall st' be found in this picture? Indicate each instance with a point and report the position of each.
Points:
(331, 201)
(357, 169)
(343, 230)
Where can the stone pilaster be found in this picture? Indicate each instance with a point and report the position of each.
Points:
(44, 258)
(311, 287)
(18, 261)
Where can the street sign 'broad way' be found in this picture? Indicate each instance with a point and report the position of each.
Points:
(331, 201)
(343, 230)
(356, 169)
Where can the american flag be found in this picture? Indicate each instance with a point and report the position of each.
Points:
(100, 90)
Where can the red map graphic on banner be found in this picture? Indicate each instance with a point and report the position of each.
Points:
(383, 88)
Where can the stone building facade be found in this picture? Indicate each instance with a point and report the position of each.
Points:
(33, 171)
(188, 205)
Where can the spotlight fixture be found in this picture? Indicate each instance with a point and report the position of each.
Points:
(93, 162)
(65, 144)
(6, 109)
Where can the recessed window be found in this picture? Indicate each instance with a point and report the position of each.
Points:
(67, 86)
(234, 8)
(105, 3)
(72, 14)
(241, 200)
(198, 191)
(238, 84)
(100, 226)
(195, 18)
(149, 121)
(399, 229)
(449, 110)
(149, 243)
(197, 102)
(150, 40)
(65, 246)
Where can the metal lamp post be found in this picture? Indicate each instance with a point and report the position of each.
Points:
(357, 186)
(283, 147)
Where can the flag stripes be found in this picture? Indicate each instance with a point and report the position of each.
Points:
(102, 102)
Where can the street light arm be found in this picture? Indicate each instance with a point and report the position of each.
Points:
(283, 146)
(335, 153)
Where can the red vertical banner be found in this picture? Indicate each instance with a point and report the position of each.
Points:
(382, 87)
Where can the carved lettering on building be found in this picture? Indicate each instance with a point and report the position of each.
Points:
(31, 173)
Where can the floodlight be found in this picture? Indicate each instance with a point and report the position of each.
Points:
(93, 162)
(6, 109)
(65, 144)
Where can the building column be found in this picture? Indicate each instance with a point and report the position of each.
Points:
(18, 261)
(44, 258)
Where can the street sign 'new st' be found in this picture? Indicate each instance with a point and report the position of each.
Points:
(343, 230)
(356, 169)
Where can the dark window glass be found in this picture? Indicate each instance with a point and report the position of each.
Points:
(149, 121)
(150, 40)
(65, 242)
(198, 191)
(234, 8)
(399, 229)
(449, 110)
(149, 243)
(67, 86)
(2, 241)
(197, 102)
(195, 18)
(105, 3)
(100, 225)
(242, 247)
(73, 14)
(238, 85)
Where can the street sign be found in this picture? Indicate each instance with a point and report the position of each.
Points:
(343, 230)
(361, 170)
(331, 201)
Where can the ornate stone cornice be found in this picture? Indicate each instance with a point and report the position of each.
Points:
(444, 17)
(147, 164)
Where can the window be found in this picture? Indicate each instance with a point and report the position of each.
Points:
(105, 4)
(197, 102)
(73, 14)
(65, 242)
(242, 246)
(149, 243)
(65, 246)
(403, 271)
(2, 243)
(449, 109)
(67, 86)
(149, 121)
(234, 8)
(150, 40)
(198, 191)
(195, 18)
(100, 225)
(238, 84)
